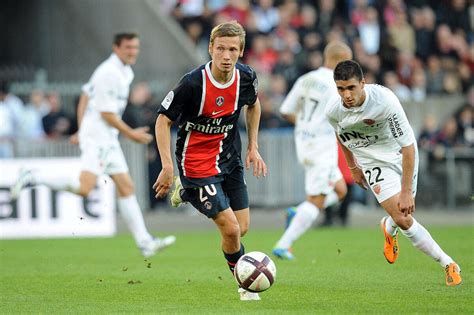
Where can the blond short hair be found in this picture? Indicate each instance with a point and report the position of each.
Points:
(229, 29)
(337, 51)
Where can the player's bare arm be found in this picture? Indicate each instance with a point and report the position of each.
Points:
(253, 156)
(291, 118)
(81, 109)
(164, 181)
(139, 135)
(406, 202)
(356, 171)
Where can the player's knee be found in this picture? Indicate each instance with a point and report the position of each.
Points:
(126, 189)
(232, 232)
(84, 191)
(87, 182)
(341, 194)
(317, 201)
(403, 222)
(341, 190)
(244, 228)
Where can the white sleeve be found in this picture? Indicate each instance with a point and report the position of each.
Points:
(87, 89)
(398, 121)
(330, 113)
(105, 91)
(290, 103)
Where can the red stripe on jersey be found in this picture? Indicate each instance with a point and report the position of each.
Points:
(202, 154)
(220, 99)
(201, 151)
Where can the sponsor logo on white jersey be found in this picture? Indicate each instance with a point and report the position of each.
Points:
(395, 126)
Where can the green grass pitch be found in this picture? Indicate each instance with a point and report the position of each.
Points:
(335, 271)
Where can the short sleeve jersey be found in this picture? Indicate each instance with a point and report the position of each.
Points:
(308, 99)
(108, 90)
(374, 132)
(208, 142)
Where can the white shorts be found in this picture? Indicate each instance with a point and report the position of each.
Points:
(100, 159)
(321, 179)
(386, 181)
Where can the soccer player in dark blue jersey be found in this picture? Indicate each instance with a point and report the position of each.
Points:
(207, 103)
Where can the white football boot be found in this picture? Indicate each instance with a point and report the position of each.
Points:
(25, 178)
(247, 295)
(156, 245)
(175, 198)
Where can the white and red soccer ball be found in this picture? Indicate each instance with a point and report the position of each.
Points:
(255, 272)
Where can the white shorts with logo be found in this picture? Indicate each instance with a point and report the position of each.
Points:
(103, 159)
(385, 180)
(321, 179)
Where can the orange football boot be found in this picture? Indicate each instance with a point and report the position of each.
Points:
(390, 248)
(453, 275)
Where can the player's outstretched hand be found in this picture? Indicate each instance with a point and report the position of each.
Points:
(259, 166)
(406, 202)
(141, 135)
(74, 139)
(359, 178)
(163, 183)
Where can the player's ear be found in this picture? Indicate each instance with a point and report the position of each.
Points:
(241, 53)
(210, 49)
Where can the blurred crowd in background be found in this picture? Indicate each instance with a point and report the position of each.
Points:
(418, 49)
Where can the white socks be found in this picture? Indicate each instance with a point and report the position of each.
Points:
(390, 226)
(306, 214)
(66, 183)
(131, 213)
(331, 199)
(422, 240)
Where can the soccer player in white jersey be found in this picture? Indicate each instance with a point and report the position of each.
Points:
(100, 110)
(381, 152)
(316, 144)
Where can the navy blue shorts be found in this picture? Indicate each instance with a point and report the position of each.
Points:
(214, 198)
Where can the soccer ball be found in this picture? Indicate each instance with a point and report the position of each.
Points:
(255, 272)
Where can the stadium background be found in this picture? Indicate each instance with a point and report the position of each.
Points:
(422, 50)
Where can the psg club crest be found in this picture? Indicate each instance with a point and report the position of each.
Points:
(369, 122)
(220, 101)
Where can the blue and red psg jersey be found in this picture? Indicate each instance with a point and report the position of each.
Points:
(208, 143)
